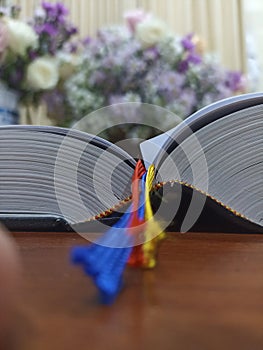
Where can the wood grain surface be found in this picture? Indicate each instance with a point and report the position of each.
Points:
(206, 293)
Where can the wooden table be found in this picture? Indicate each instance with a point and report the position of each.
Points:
(206, 293)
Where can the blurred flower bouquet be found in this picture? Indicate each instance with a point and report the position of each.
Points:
(144, 62)
(31, 54)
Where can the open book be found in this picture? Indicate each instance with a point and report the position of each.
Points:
(209, 173)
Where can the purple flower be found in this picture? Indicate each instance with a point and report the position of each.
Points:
(117, 60)
(61, 9)
(47, 28)
(187, 42)
(183, 66)
(135, 66)
(72, 30)
(52, 28)
(191, 58)
(171, 80)
(234, 81)
(151, 54)
(56, 12)
(87, 41)
(73, 47)
(188, 99)
(170, 85)
(194, 58)
(47, 6)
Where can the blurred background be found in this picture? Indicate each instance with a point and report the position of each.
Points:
(220, 23)
(63, 60)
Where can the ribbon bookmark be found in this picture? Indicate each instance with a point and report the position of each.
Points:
(134, 239)
(153, 231)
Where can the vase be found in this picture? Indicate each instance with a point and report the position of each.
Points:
(9, 99)
(34, 114)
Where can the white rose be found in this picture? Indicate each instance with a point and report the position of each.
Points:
(43, 73)
(20, 36)
(151, 31)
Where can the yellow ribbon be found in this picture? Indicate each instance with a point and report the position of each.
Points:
(153, 233)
